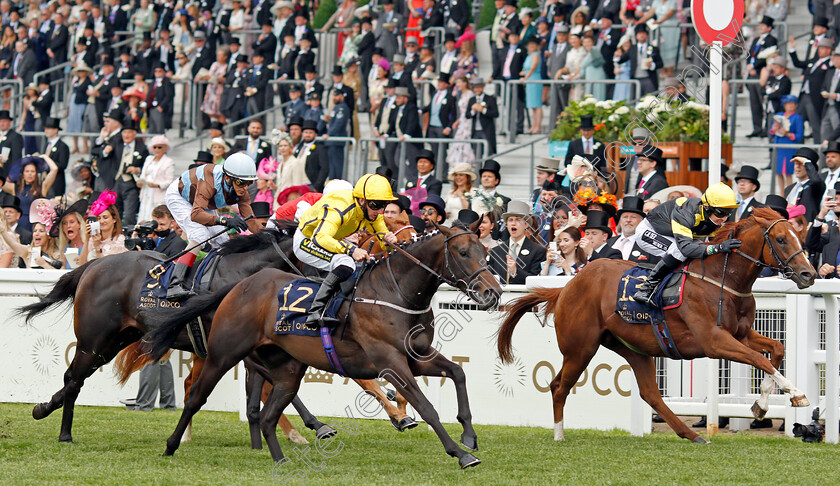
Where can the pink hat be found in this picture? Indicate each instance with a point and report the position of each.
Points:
(384, 64)
(794, 211)
(267, 168)
(160, 140)
(42, 211)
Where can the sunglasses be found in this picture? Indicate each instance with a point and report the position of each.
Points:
(241, 183)
(377, 205)
(721, 212)
(430, 211)
(157, 147)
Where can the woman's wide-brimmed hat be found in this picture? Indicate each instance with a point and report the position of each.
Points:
(134, 92)
(16, 169)
(79, 207)
(220, 141)
(160, 140)
(462, 168)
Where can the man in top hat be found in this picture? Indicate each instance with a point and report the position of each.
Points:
(558, 47)
(366, 47)
(497, 41)
(104, 144)
(266, 43)
(9, 139)
(296, 106)
(746, 186)
(627, 219)
(651, 172)
(832, 174)
(640, 137)
(425, 163)
(755, 64)
(317, 164)
(442, 112)
(287, 64)
(449, 59)
(818, 32)
(161, 101)
(776, 86)
(389, 40)
(513, 58)
(338, 120)
(58, 151)
(587, 146)
(254, 146)
(24, 65)
(257, 90)
(509, 23)
(296, 130)
(12, 212)
(402, 76)
(487, 199)
(645, 61)
(596, 236)
(824, 237)
(43, 103)
(814, 71)
(119, 169)
(608, 38)
(433, 211)
(404, 124)
(302, 31)
(809, 187)
(233, 100)
(106, 79)
(516, 258)
(311, 83)
(830, 91)
(412, 55)
(384, 13)
(483, 110)
(57, 44)
(349, 97)
(547, 170)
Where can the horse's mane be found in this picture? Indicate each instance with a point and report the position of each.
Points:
(416, 240)
(258, 241)
(735, 229)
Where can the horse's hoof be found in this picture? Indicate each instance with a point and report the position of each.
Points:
(468, 460)
(295, 437)
(39, 411)
(325, 432)
(470, 443)
(799, 401)
(167, 453)
(65, 438)
(701, 440)
(391, 395)
(407, 423)
(757, 411)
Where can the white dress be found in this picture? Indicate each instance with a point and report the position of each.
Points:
(291, 172)
(574, 60)
(462, 152)
(453, 206)
(161, 173)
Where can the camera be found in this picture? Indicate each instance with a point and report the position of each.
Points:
(144, 240)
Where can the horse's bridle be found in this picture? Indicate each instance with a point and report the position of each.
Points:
(784, 268)
(454, 281)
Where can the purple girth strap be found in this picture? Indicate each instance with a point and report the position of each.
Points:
(329, 348)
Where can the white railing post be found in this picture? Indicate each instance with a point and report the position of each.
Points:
(832, 367)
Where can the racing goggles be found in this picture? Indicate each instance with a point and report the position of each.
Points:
(241, 182)
(721, 212)
(377, 205)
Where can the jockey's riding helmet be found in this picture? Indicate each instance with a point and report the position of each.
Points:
(720, 198)
(240, 166)
(373, 187)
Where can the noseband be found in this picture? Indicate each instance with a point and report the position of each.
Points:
(783, 265)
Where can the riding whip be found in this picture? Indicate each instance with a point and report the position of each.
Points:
(722, 282)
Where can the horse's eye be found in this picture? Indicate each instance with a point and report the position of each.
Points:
(463, 252)
(780, 239)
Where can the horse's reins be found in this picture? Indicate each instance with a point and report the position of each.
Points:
(723, 283)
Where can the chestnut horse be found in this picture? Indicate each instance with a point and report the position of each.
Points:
(585, 317)
(380, 325)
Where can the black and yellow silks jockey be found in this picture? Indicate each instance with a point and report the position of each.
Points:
(671, 231)
(318, 239)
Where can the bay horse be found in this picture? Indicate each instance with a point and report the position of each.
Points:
(585, 317)
(384, 332)
(104, 294)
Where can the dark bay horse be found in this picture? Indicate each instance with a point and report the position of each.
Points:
(389, 335)
(585, 317)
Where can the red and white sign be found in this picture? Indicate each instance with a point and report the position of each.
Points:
(717, 20)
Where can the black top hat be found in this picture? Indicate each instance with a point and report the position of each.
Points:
(131, 124)
(512, 3)
(631, 204)
(598, 220)
(385, 172)
(403, 202)
(551, 185)
(778, 204)
(653, 153)
(147, 36)
(444, 77)
(436, 202)
(392, 83)
(302, 13)
(116, 115)
(158, 65)
(216, 125)
(491, 165)
(768, 21)
(9, 201)
(750, 173)
(266, 21)
(261, 209)
(4, 115)
(425, 154)
(808, 154)
(107, 60)
(467, 217)
(832, 147)
(821, 21)
(242, 58)
(337, 70)
(296, 121)
(234, 40)
(449, 37)
(309, 68)
(336, 91)
(53, 123)
(387, 2)
(586, 122)
(641, 28)
(204, 157)
(310, 125)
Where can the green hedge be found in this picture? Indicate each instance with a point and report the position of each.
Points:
(488, 11)
(326, 10)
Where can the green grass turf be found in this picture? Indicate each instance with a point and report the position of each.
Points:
(114, 446)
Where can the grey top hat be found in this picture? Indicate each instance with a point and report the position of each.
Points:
(399, 58)
(548, 164)
(517, 208)
(826, 42)
(401, 91)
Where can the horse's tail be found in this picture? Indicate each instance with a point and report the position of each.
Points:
(517, 309)
(157, 341)
(64, 289)
(129, 360)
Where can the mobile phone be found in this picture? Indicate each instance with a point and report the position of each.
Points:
(831, 193)
(94, 228)
(552, 246)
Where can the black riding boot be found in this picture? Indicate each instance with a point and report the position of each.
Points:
(325, 294)
(177, 283)
(648, 289)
